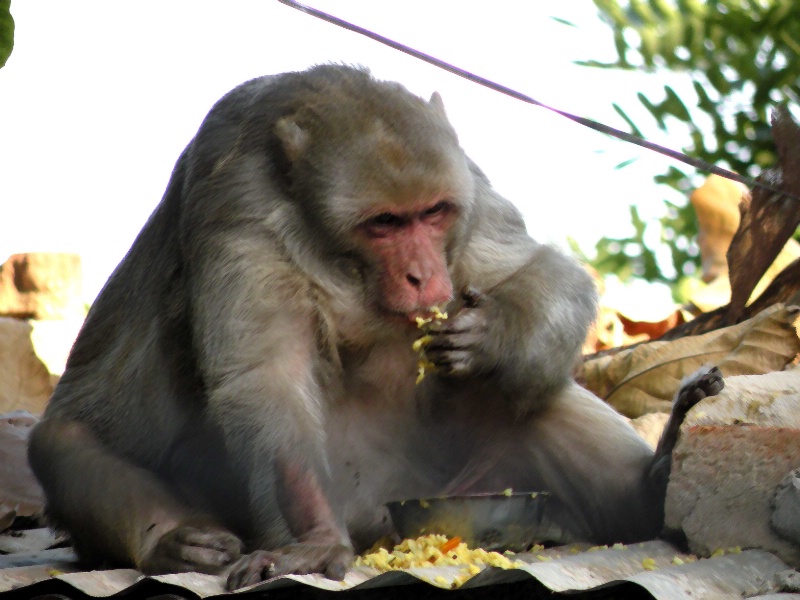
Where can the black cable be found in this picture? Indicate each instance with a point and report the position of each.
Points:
(628, 137)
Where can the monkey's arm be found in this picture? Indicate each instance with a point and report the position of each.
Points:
(255, 333)
(525, 315)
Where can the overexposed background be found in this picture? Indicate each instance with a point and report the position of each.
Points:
(99, 98)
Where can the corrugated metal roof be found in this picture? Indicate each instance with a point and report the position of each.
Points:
(642, 570)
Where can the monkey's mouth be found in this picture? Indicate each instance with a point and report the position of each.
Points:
(407, 318)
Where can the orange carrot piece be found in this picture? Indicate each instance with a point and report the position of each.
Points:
(450, 544)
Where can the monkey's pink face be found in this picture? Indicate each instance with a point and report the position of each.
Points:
(408, 247)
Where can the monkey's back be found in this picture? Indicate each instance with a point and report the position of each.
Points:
(135, 347)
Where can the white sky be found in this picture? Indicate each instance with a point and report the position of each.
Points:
(99, 98)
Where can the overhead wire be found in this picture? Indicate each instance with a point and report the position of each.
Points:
(592, 124)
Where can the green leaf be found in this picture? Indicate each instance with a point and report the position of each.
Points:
(676, 106)
(705, 102)
(742, 58)
(631, 124)
(601, 65)
(563, 21)
(6, 31)
(625, 163)
(654, 110)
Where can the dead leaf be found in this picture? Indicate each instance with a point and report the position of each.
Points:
(768, 219)
(718, 292)
(609, 332)
(652, 329)
(644, 379)
(785, 288)
(716, 205)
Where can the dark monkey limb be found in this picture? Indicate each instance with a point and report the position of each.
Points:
(704, 383)
(241, 397)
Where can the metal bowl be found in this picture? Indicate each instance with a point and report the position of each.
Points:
(491, 521)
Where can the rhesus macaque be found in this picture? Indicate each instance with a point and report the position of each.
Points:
(242, 397)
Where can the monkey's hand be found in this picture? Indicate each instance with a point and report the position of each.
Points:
(332, 560)
(186, 548)
(456, 344)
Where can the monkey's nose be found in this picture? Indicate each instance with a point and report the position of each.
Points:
(414, 280)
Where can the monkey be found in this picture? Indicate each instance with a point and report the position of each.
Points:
(241, 399)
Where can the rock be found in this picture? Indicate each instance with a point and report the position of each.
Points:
(25, 382)
(41, 285)
(734, 451)
(722, 486)
(786, 508)
(769, 400)
(787, 581)
(19, 490)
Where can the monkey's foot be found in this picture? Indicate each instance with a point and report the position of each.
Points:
(704, 383)
(189, 548)
(332, 560)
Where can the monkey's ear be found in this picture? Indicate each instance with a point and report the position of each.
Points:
(437, 103)
(293, 137)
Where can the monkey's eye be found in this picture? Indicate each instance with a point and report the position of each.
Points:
(385, 221)
(436, 208)
(440, 209)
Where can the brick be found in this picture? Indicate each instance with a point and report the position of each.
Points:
(723, 482)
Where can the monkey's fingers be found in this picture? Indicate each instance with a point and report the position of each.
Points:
(456, 363)
(468, 341)
(471, 296)
(464, 320)
(250, 569)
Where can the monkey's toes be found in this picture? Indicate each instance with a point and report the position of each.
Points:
(332, 560)
(188, 548)
(703, 384)
(252, 568)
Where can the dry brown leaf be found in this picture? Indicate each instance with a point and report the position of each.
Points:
(609, 332)
(716, 205)
(653, 329)
(644, 379)
(768, 219)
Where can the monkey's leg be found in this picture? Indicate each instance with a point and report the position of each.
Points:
(322, 545)
(608, 485)
(592, 462)
(121, 512)
(705, 382)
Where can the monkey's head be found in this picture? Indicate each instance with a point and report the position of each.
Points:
(380, 178)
